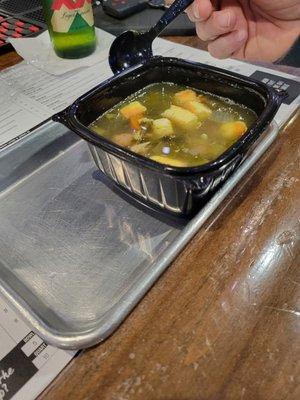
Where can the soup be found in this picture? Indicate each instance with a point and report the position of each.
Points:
(175, 125)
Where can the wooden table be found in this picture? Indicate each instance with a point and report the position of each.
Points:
(223, 322)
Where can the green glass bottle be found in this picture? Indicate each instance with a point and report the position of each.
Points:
(71, 27)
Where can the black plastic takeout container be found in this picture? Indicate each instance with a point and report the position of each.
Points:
(174, 189)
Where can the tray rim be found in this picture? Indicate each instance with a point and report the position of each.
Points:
(108, 324)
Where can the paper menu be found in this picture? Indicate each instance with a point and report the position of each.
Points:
(17, 113)
(36, 95)
(27, 363)
(54, 93)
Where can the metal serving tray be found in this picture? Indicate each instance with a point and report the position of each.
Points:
(75, 255)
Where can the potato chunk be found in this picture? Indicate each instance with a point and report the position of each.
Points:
(169, 161)
(162, 127)
(233, 130)
(201, 110)
(133, 109)
(123, 139)
(184, 96)
(184, 119)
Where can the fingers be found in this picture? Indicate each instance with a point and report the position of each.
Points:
(226, 30)
(199, 10)
(226, 45)
(219, 23)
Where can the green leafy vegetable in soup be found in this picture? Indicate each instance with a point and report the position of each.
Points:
(175, 125)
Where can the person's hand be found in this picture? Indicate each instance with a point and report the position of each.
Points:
(247, 29)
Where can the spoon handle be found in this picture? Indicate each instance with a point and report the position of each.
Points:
(172, 12)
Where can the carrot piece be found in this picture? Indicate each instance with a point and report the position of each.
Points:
(233, 130)
(134, 121)
(132, 109)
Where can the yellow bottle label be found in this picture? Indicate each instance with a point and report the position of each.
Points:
(71, 15)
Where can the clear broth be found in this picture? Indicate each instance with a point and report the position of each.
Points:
(184, 147)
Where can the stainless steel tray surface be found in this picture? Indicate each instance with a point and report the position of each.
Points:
(76, 256)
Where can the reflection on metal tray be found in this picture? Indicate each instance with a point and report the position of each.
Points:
(75, 255)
